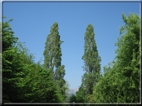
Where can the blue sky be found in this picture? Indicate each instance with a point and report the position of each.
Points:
(32, 22)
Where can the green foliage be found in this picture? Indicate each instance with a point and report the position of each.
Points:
(80, 98)
(91, 63)
(23, 79)
(52, 52)
(121, 81)
(52, 59)
(27, 81)
(72, 98)
(9, 64)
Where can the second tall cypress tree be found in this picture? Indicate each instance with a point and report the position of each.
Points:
(91, 61)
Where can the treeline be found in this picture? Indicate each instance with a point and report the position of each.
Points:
(27, 81)
(120, 82)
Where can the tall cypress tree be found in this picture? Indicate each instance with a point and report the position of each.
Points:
(52, 57)
(52, 52)
(91, 61)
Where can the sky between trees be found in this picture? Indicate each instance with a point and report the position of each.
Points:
(32, 25)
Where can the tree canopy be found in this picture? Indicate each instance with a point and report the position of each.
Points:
(121, 81)
(23, 79)
(27, 81)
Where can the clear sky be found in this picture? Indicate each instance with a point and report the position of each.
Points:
(32, 22)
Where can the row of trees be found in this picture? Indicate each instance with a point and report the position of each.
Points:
(121, 80)
(27, 81)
